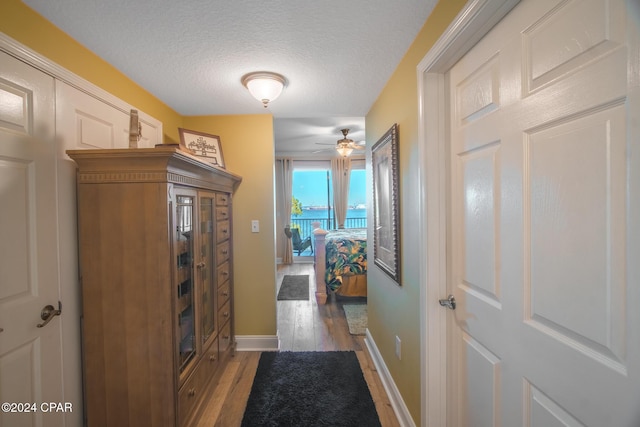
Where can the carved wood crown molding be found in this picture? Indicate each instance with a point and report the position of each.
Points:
(88, 177)
(156, 165)
(99, 177)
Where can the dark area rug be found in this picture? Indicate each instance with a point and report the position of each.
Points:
(294, 287)
(310, 389)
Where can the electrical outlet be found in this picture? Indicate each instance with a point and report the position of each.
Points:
(255, 226)
(398, 347)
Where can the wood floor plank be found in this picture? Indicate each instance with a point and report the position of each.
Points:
(376, 388)
(323, 325)
(214, 406)
(236, 401)
(304, 335)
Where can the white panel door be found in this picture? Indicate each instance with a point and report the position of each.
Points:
(30, 356)
(84, 122)
(545, 219)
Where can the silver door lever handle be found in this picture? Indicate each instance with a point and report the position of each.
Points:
(48, 313)
(450, 302)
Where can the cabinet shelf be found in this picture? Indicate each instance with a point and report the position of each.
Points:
(184, 260)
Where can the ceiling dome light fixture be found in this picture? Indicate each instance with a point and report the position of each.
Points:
(264, 86)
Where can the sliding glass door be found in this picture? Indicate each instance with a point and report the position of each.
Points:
(313, 200)
(312, 195)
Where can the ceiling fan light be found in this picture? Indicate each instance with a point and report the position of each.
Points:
(264, 86)
(344, 150)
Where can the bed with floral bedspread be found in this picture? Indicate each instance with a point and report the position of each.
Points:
(342, 266)
(346, 255)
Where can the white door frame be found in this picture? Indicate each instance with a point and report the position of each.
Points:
(470, 25)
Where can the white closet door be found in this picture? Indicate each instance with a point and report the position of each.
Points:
(84, 122)
(31, 369)
(545, 208)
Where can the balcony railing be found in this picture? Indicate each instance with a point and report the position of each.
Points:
(304, 224)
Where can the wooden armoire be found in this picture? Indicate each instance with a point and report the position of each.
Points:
(155, 248)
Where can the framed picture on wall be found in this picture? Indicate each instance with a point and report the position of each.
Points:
(386, 209)
(203, 145)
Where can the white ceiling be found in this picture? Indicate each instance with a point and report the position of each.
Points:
(337, 55)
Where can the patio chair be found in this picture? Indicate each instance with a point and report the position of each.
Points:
(299, 244)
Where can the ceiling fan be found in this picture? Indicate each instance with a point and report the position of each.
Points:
(344, 146)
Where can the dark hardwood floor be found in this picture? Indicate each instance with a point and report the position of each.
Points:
(302, 326)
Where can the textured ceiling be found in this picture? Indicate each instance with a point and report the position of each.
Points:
(315, 135)
(337, 55)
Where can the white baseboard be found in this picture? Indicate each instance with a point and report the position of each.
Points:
(397, 403)
(257, 343)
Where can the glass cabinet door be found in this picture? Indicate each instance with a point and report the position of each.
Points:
(206, 266)
(185, 291)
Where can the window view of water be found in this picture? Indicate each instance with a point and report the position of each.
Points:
(323, 213)
(356, 218)
(312, 190)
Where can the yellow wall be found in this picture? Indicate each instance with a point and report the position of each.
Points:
(248, 150)
(247, 144)
(395, 310)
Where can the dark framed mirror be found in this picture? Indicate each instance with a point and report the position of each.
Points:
(386, 209)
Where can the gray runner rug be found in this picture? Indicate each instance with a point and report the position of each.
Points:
(294, 287)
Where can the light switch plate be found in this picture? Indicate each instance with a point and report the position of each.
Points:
(255, 226)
